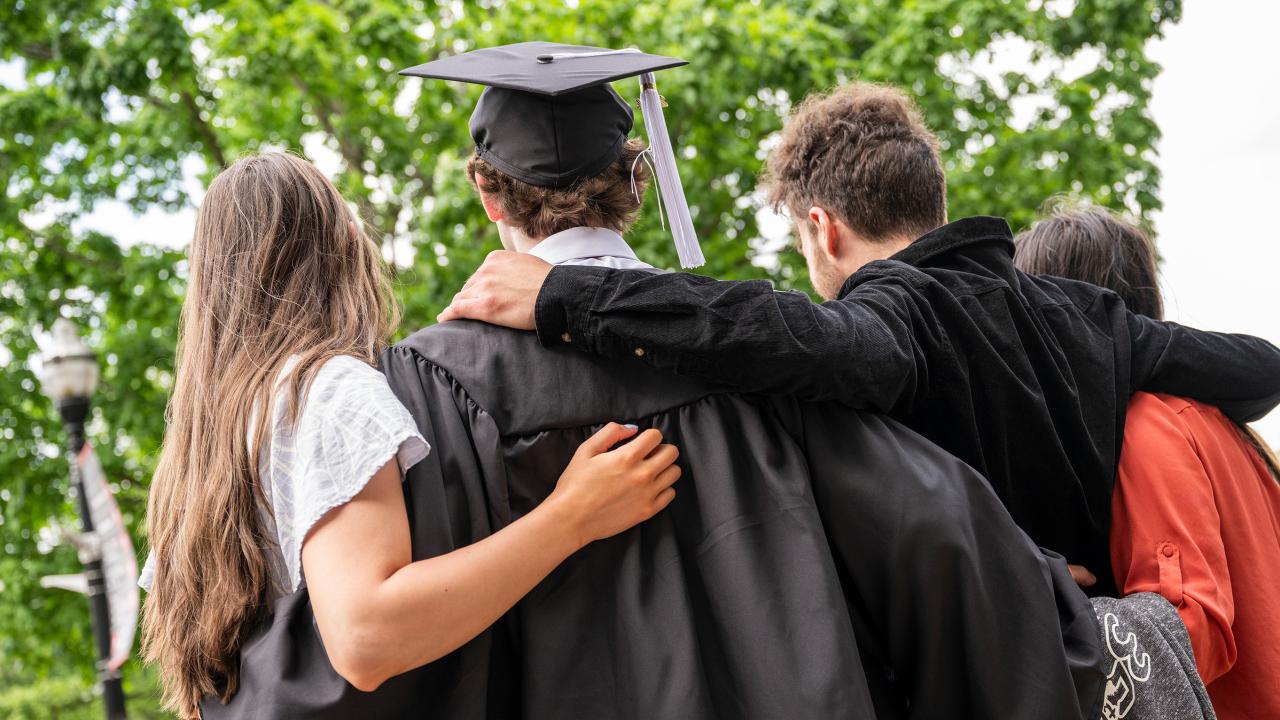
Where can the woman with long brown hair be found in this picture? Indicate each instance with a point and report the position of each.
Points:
(1196, 506)
(285, 451)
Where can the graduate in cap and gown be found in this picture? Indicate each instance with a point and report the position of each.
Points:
(551, 127)
(818, 562)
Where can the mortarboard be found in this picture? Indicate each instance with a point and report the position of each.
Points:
(550, 117)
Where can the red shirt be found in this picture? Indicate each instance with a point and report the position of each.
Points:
(1196, 518)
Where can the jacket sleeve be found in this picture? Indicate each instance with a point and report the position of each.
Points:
(1165, 533)
(860, 350)
(1240, 374)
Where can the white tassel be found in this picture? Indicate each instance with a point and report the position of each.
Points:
(664, 160)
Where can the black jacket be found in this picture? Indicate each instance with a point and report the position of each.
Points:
(1025, 378)
(817, 562)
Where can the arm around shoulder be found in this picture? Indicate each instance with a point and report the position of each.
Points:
(1238, 373)
(858, 350)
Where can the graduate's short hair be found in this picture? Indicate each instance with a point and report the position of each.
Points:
(1085, 242)
(862, 153)
(606, 200)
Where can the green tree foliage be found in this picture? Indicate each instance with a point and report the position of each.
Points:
(121, 99)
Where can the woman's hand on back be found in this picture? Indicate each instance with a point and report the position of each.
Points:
(379, 613)
(604, 492)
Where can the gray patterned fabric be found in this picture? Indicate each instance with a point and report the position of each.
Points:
(1153, 674)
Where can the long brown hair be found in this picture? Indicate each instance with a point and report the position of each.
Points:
(1083, 242)
(278, 268)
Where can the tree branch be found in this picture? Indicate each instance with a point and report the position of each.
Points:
(193, 111)
(36, 51)
(325, 110)
(206, 130)
(352, 153)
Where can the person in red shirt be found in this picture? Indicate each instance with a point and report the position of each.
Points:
(1196, 506)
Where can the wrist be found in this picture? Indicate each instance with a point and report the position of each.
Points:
(563, 524)
(566, 295)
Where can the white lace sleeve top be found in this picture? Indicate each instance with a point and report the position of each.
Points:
(350, 426)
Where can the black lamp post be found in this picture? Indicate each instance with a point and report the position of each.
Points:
(69, 378)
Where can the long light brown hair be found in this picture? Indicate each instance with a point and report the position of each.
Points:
(278, 268)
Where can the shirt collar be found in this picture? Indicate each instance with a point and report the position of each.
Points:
(961, 234)
(581, 243)
(958, 234)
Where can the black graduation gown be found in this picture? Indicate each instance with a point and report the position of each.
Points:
(731, 602)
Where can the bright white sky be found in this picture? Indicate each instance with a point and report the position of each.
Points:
(1217, 105)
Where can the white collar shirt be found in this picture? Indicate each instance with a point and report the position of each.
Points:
(599, 247)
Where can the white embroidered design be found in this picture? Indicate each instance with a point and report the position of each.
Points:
(1129, 669)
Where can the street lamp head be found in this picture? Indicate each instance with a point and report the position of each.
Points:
(70, 367)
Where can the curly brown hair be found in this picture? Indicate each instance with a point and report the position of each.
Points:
(862, 153)
(604, 201)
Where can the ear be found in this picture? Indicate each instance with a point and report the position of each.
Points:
(827, 232)
(492, 207)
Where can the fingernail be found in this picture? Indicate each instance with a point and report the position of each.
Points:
(629, 426)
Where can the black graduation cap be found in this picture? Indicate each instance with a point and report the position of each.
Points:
(550, 117)
(542, 67)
